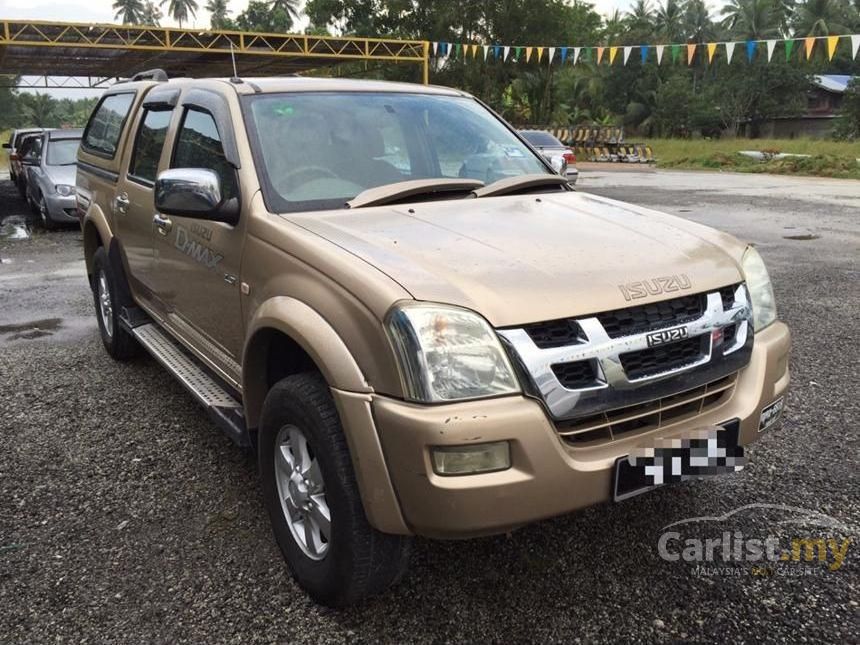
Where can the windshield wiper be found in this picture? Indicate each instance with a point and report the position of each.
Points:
(520, 184)
(422, 188)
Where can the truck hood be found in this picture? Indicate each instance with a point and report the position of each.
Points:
(530, 258)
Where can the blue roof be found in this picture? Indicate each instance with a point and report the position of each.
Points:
(832, 82)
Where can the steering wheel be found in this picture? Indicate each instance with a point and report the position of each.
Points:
(313, 171)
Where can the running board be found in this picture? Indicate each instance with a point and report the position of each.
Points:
(222, 407)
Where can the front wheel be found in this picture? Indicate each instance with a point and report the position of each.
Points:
(44, 215)
(313, 499)
(118, 342)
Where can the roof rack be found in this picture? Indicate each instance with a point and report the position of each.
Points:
(158, 75)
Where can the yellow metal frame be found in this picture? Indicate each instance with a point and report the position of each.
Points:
(81, 37)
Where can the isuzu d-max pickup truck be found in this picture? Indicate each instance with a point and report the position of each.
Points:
(415, 322)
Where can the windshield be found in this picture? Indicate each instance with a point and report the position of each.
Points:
(541, 138)
(62, 152)
(320, 150)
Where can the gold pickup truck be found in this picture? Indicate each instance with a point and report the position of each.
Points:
(415, 322)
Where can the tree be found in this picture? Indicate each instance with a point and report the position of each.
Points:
(218, 12)
(180, 10)
(848, 123)
(669, 21)
(698, 26)
(130, 12)
(822, 18)
(39, 110)
(151, 14)
(751, 19)
(258, 16)
(289, 7)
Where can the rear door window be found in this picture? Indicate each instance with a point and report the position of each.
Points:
(148, 145)
(103, 131)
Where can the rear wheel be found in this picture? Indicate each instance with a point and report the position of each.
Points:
(313, 499)
(118, 342)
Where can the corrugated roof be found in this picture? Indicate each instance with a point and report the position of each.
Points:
(837, 83)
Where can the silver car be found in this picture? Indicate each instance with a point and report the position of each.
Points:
(548, 146)
(51, 178)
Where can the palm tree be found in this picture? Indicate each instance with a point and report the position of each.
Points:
(218, 12)
(151, 14)
(751, 19)
(668, 21)
(822, 18)
(289, 7)
(613, 27)
(179, 10)
(640, 16)
(129, 12)
(698, 25)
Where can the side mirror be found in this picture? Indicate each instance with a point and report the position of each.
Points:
(559, 164)
(30, 160)
(194, 192)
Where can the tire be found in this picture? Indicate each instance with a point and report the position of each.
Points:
(44, 216)
(355, 560)
(119, 343)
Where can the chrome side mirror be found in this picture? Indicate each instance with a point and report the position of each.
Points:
(559, 164)
(194, 192)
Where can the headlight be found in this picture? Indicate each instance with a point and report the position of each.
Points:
(761, 291)
(65, 190)
(447, 353)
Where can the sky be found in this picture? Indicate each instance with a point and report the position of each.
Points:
(101, 11)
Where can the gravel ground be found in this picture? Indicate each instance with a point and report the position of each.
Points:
(125, 516)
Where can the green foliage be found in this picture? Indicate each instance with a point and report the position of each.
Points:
(181, 10)
(848, 123)
(129, 12)
(21, 110)
(264, 16)
(218, 14)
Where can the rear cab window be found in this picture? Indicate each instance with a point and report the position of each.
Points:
(105, 127)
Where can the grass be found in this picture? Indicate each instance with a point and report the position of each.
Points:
(828, 158)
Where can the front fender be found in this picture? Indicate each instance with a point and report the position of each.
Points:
(312, 333)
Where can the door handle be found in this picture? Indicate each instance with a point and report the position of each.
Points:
(121, 203)
(163, 224)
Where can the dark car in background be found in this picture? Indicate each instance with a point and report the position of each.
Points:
(550, 147)
(29, 146)
(51, 178)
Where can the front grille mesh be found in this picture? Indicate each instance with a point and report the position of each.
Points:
(664, 358)
(576, 375)
(555, 333)
(615, 424)
(727, 295)
(635, 320)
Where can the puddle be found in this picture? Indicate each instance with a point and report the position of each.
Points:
(32, 329)
(803, 237)
(14, 228)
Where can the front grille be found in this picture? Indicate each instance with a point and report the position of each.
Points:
(665, 358)
(555, 333)
(635, 419)
(576, 375)
(727, 295)
(635, 320)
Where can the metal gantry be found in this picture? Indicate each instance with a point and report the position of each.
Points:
(96, 52)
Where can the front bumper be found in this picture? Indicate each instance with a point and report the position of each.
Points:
(548, 477)
(62, 210)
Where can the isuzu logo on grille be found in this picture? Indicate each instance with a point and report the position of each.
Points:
(666, 336)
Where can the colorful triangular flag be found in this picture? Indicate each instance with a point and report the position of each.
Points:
(730, 51)
(627, 51)
(600, 51)
(540, 53)
(435, 48)
(832, 42)
(752, 45)
(660, 49)
(528, 53)
(517, 52)
(576, 52)
(771, 45)
(691, 53)
(613, 52)
(855, 46)
(643, 53)
(676, 52)
(506, 50)
(712, 49)
(789, 45)
(486, 51)
(563, 55)
(551, 54)
(808, 44)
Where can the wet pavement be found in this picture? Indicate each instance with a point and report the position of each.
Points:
(125, 516)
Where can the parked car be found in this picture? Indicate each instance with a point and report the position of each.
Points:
(410, 351)
(12, 146)
(30, 146)
(550, 147)
(51, 178)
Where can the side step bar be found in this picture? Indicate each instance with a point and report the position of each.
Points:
(222, 407)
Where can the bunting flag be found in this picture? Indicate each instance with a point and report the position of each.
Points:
(752, 45)
(771, 45)
(730, 51)
(712, 49)
(832, 42)
(443, 51)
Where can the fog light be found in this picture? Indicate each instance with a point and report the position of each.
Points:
(473, 459)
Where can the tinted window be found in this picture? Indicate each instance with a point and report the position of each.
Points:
(149, 143)
(541, 139)
(31, 146)
(319, 150)
(199, 146)
(62, 152)
(105, 125)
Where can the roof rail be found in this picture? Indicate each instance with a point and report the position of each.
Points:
(158, 75)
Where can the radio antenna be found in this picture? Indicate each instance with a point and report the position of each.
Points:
(233, 58)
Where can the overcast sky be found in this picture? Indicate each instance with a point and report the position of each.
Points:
(101, 11)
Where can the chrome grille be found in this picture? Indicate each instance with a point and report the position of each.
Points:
(624, 369)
